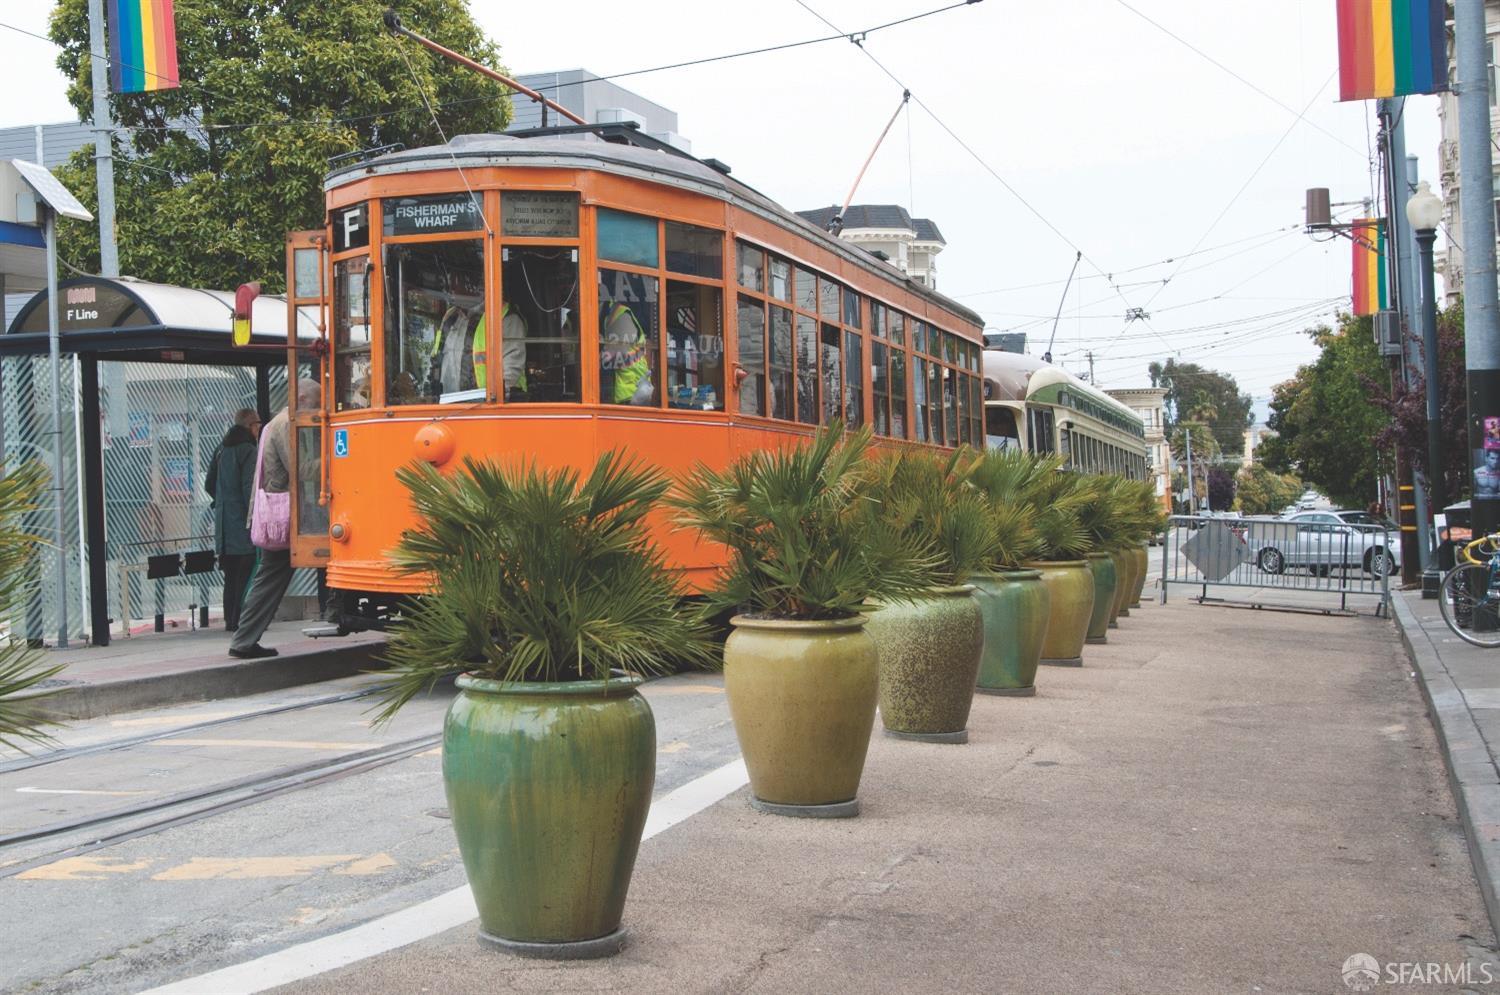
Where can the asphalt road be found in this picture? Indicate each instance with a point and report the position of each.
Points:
(224, 888)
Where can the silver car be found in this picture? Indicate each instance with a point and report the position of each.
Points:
(1321, 541)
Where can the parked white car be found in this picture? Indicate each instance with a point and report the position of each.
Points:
(1325, 540)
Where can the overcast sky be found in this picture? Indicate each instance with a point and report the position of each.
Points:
(1096, 125)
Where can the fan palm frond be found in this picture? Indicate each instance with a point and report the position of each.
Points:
(22, 669)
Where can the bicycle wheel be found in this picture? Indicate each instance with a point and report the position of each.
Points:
(1470, 606)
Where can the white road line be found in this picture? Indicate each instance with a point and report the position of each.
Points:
(77, 791)
(453, 908)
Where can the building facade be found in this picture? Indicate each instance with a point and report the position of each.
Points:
(1150, 404)
(907, 243)
(1449, 260)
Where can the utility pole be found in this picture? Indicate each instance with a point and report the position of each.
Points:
(104, 163)
(1187, 436)
(1091, 367)
(1476, 206)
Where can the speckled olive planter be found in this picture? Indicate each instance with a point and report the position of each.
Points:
(929, 659)
(1103, 569)
(1070, 603)
(548, 786)
(1014, 606)
(802, 697)
(1122, 586)
(1142, 557)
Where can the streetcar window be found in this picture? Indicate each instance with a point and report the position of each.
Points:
(751, 328)
(628, 351)
(851, 309)
(781, 279)
(752, 267)
(833, 394)
(877, 319)
(898, 392)
(312, 517)
(919, 336)
(935, 403)
(805, 291)
(433, 329)
(919, 399)
(976, 411)
(695, 347)
(807, 368)
(1000, 430)
(950, 406)
(627, 238)
(828, 300)
(351, 333)
(695, 251)
(854, 380)
(780, 380)
(880, 388)
(896, 326)
(539, 337)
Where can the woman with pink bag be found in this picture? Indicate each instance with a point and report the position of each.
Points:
(270, 528)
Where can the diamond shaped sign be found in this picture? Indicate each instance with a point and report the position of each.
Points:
(1216, 551)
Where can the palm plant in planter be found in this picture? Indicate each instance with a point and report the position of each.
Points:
(1101, 515)
(1061, 558)
(550, 601)
(1013, 600)
(1147, 520)
(929, 647)
(21, 668)
(805, 557)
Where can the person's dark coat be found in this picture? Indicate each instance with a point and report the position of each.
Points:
(231, 474)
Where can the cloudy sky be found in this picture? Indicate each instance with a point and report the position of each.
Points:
(1170, 141)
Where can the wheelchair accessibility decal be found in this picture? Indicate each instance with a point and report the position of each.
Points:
(341, 442)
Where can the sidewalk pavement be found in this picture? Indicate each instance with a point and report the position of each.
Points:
(1462, 686)
(1219, 800)
(155, 669)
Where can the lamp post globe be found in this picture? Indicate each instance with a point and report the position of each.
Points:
(1425, 209)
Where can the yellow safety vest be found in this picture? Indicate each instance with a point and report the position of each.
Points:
(478, 347)
(632, 366)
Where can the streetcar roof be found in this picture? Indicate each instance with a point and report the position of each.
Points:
(652, 164)
(1015, 376)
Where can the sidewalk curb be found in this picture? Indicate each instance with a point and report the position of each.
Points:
(230, 679)
(1471, 770)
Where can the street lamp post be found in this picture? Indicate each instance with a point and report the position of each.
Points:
(1425, 210)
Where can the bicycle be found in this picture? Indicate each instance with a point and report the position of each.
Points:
(1470, 594)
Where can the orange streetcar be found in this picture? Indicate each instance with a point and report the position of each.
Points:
(552, 296)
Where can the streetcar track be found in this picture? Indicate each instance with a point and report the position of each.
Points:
(71, 752)
(249, 791)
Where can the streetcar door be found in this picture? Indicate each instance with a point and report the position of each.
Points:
(307, 320)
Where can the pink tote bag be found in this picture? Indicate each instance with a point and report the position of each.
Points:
(270, 514)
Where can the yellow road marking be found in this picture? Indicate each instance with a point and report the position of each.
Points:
(370, 865)
(436, 751)
(246, 868)
(264, 744)
(172, 720)
(82, 869)
(676, 747)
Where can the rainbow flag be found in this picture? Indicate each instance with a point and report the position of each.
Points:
(142, 45)
(1388, 48)
(1370, 293)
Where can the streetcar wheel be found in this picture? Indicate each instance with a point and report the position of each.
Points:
(1469, 607)
(1271, 560)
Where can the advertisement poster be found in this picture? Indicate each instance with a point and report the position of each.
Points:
(177, 477)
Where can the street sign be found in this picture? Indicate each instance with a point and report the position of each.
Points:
(1216, 551)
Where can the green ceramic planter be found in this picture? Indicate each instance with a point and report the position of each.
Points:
(1103, 569)
(1142, 557)
(1070, 604)
(929, 659)
(1122, 585)
(1014, 606)
(802, 697)
(549, 785)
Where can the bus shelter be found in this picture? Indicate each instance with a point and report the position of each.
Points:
(149, 384)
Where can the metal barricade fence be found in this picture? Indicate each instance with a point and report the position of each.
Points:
(1274, 562)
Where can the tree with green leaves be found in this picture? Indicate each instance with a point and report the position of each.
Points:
(1195, 393)
(1261, 491)
(209, 177)
(1325, 420)
(1206, 452)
